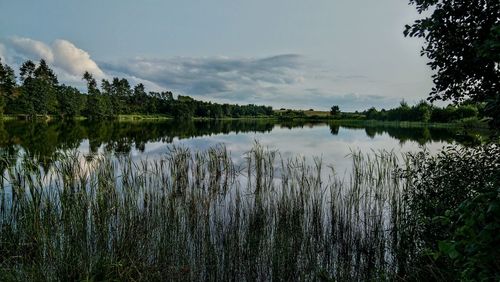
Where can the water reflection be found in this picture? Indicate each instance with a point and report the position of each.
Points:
(45, 139)
(421, 135)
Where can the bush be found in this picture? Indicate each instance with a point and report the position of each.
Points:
(454, 212)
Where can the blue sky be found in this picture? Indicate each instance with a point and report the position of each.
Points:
(300, 54)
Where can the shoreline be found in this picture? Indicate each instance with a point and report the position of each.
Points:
(466, 124)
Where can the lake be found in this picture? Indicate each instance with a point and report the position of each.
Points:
(247, 215)
(332, 142)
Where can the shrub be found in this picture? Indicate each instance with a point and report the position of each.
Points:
(454, 212)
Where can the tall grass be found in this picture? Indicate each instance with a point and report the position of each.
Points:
(196, 215)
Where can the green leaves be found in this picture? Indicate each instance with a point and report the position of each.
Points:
(455, 197)
(463, 45)
(335, 110)
(448, 248)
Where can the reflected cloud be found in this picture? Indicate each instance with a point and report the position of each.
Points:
(333, 142)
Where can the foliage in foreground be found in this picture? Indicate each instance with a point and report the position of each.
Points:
(201, 216)
(454, 208)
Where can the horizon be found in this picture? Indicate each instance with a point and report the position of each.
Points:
(281, 54)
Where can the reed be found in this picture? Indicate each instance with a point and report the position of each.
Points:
(197, 215)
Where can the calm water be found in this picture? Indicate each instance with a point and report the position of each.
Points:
(332, 142)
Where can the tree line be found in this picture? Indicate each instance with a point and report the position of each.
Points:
(426, 112)
(40, 93)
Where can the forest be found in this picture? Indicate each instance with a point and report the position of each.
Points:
(40, 94)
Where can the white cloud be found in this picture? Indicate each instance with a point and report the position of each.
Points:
(32, 48)
(284, 80)
(74, 60)
(69, 61)
(2, 53)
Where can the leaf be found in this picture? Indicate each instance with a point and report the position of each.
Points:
(448, 248)
(493, 207)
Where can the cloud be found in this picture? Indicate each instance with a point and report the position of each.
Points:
(286, 80)
(200, 76)
(32, 48)
(2, 53)
(323, 98)
(69, 61)
(283, 80)
(73, 60)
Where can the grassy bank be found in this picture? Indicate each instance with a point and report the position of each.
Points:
(477, 124)
(142, 117)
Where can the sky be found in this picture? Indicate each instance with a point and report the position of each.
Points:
(284, 53)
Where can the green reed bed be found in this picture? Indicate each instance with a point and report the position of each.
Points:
(196, 215)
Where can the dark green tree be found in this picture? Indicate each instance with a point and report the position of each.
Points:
(27, 70)
(334, 110)
(371, 113)
(463, 45)
(7, 85)
(45, 73)
(139, 99)
(39, 88)
(167, 95)
(153, 102)
(181, 111)
(121, 96)
(27, 76)
(70, 101)
(94, 108)
(421, 112)
(45, 89)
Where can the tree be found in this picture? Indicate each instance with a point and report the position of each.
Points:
(152, 102)
(371, 113)
(69, 101)
(335, 110)
(463, 45)
(422, 112)
(91, 83)
(7, 84)
(45, 73)
(27, 70)
(39, 88)
(121, 93)
(167, 96)
(44, 95)
(94, 108)
(139, 98)
(182, 111)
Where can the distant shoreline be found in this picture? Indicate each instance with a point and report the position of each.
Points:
(307, 118)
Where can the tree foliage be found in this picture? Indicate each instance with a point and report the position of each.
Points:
(70, 102)
(7, 84)
(463, 45)
(425, 112)
(334, 110)
(38, 88)
(41, 94)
